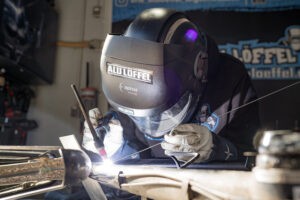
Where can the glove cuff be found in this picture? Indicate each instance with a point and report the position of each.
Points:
(223, 149)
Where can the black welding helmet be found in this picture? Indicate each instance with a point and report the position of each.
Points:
(155, 70)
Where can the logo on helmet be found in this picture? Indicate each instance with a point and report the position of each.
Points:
(128, 89)
(130, 73)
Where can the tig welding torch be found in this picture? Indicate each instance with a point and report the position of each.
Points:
(98, 141)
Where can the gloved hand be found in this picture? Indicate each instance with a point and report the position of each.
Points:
(190, 138)
(113, 138)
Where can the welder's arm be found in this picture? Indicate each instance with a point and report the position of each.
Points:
(113, 135)
(242, 121)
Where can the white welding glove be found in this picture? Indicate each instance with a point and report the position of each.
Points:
(88, 141)
(113, 138)
(188, 138)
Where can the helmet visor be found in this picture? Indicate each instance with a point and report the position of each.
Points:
(158, 125)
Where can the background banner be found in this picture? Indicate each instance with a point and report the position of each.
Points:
(128, 9)
(268, 43)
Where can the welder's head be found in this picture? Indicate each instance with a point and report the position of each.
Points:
(155, 70)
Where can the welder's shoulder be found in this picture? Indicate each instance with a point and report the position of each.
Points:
(231, 72)
(232, 64)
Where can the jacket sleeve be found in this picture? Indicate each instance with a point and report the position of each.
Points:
(242, 122)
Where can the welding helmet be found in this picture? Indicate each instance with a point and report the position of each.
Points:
(154, 72)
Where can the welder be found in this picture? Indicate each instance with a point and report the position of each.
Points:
(166, 82)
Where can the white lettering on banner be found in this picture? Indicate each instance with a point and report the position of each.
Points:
(277, 55)
(275, 73)
(130, 73)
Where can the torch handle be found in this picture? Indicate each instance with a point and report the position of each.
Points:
(98, 142)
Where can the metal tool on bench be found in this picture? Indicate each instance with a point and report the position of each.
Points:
(30, 170)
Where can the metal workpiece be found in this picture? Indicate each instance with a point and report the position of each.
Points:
(278, 164)
(91, 186)
(77, 166)
(280, 142)
(279, 149)
(107, 174)
(157, 182)
(31, 170)
(40, 169)
(276, 176)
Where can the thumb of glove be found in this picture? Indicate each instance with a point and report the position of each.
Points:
(95, 115)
